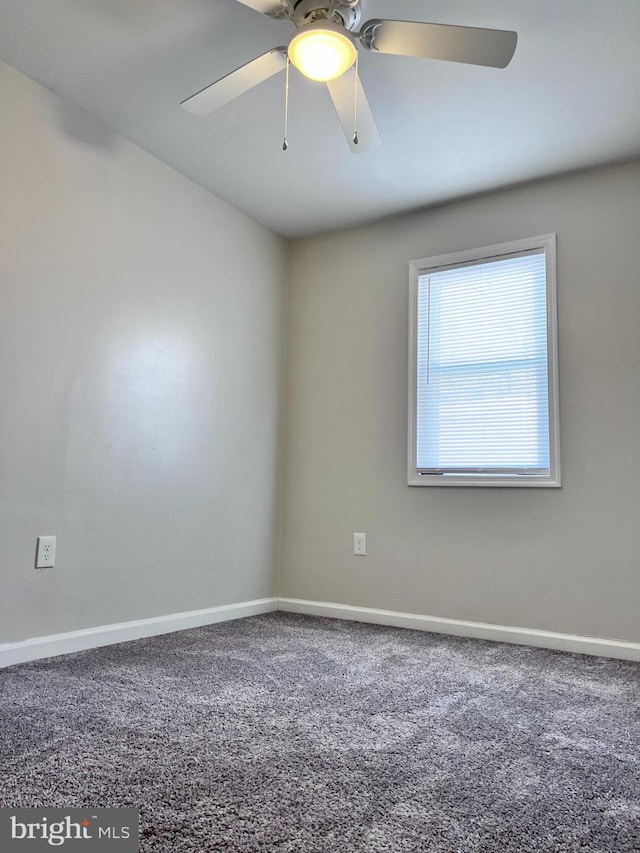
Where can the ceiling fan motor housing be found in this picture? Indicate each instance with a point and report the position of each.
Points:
(342, 12)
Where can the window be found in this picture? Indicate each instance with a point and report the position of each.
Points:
(483, 387)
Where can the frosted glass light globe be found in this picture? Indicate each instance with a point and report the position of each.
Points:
(322, 51)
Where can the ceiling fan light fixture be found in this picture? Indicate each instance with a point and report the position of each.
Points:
(322, 50)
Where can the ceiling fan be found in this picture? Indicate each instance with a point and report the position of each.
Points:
(323, 47)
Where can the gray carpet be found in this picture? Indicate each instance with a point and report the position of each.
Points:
(289, 733)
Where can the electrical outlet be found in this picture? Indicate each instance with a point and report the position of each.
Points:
(360, 544)
(46, 552)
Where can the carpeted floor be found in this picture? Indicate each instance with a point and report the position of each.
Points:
(291, 733)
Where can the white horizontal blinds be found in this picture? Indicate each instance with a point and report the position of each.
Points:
(482, 379)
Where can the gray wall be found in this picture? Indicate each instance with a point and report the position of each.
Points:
(564, 560)
(141, 354)
(141, 397)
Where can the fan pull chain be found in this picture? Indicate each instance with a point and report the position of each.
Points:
(355, 107)
(285, 142)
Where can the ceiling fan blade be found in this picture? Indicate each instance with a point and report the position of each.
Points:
(342, 91)
(273, 8)
(237, 82)
(493, 48)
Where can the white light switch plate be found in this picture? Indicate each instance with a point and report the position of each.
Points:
(46, 552)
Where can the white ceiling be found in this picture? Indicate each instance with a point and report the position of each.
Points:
(570, 99)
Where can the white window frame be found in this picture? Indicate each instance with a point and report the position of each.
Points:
(547, 242)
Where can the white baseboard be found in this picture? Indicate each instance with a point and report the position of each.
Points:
(106, 635)
(620, 649)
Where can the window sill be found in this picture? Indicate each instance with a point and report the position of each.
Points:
(520, 482)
